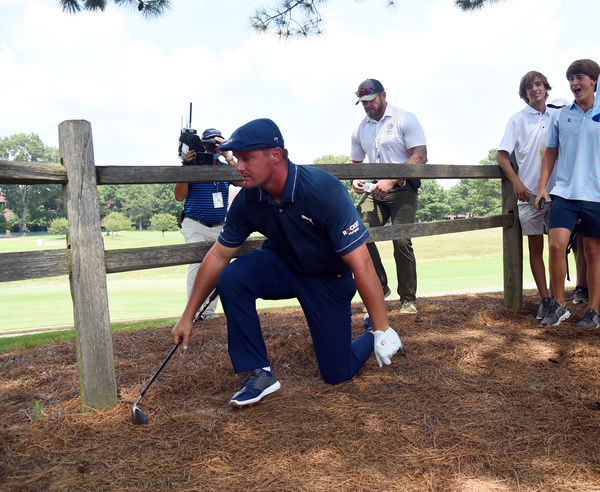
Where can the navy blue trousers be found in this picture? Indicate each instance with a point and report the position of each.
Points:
(325, 301)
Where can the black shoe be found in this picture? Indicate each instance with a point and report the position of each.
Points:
(556, 314)
(544, 308)
(591, 319)
(580, 295)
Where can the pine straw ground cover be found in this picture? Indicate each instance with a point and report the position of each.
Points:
(485, 399)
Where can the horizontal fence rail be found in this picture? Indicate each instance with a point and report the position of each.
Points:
(15, 172)
(52, 263)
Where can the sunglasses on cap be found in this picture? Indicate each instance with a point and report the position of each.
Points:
(365, 91)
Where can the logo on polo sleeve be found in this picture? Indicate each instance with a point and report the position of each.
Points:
(348, 231)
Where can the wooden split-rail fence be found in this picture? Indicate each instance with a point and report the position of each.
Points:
(87, 263)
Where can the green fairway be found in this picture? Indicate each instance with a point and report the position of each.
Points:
(446, 263)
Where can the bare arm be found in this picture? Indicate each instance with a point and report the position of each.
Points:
(180, 190)
(548, 161)
(217, 258)
(503, 160)
(357, 183)
(228, 156)
(416, 155)
(368, 286)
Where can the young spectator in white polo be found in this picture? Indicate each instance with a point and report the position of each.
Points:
(526, 135)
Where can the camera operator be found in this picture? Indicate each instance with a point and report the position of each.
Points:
(205, 204)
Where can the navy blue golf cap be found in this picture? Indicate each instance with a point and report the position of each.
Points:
(211, 133)
(262, 133)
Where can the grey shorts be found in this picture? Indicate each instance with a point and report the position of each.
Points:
(533, 222)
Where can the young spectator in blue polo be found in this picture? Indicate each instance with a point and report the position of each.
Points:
(315, 251)
(574, 148)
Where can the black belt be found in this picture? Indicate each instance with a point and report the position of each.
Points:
(206, 224)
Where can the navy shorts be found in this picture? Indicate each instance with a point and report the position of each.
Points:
(565, 213)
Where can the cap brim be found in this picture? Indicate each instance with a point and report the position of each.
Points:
(370, 97)
(227, 145)
(235, 146)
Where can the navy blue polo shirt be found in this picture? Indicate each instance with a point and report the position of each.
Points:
(314, 225)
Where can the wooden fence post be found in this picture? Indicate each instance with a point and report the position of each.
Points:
(97, 383)
(512, 242)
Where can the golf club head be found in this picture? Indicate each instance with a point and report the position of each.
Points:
(137, 416)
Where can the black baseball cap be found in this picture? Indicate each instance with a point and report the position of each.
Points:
(368, 89)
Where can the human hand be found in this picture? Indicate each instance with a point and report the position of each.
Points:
(181, 332)
(521, 192)
(189, 155)
(387, 343)
(383, 187)
(357, 186)
(540, 200)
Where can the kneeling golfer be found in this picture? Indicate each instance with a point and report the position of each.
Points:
(315, 251)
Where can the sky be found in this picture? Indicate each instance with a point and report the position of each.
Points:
(133, 79)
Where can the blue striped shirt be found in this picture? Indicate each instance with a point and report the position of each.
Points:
(577, 138)
(199, 202)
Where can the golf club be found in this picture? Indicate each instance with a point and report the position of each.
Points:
(137, 416)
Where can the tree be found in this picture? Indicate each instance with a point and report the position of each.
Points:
(339, 159)
(433, 203)
(148, 8)
(478, 197)
(4, 225)
(139, 202)
(115, 222)
(32, 205)
(108, 199)
(287, 19)
(473, 4)
(163, 222)
(458, 198)
(281, 19)
(59, 227)
(332, 159)
(165, 200)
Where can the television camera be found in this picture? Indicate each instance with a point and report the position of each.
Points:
(189, 140)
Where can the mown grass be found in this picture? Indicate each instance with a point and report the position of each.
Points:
(22, 342)
(445, 263)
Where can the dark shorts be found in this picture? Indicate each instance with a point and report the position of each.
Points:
(566, 213)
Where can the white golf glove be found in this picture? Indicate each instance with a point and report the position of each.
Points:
(387, 343)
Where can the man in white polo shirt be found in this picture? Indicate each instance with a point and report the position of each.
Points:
(526, 135)
(389, 134)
